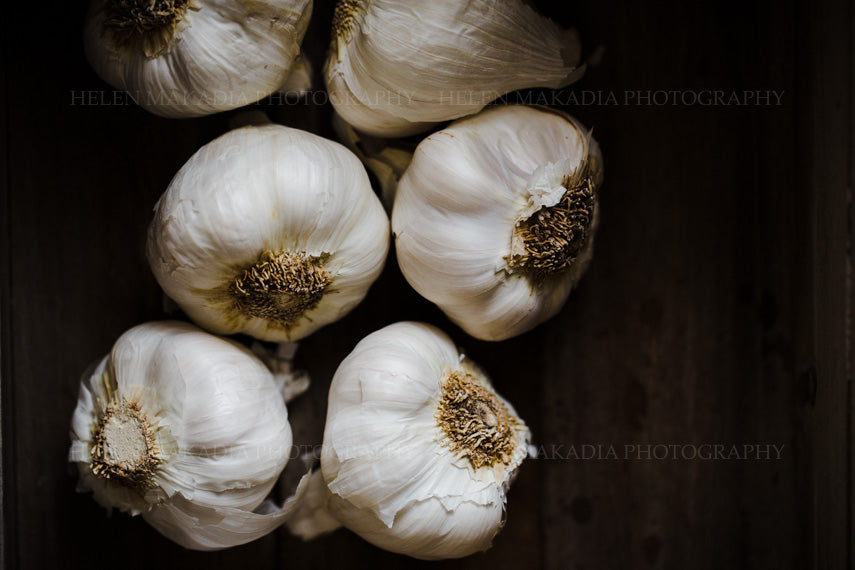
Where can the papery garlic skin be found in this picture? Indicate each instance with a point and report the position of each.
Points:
(394, 476)
(198, 56)
(219, 427)
(387, 162)
(398, 67)
(460, 204)
(254, 194)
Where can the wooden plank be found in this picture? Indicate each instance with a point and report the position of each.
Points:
(829, 157)
(682, 332)
(7, 485)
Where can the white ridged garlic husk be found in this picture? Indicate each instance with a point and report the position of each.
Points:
(186, 429)
(269, 231)
(419, 450)
(397, 67)
(494, 219)
(186, 58)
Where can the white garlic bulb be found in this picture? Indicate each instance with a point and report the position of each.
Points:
(269, 231)
(186, 429)
(419, 450)
(495, 216)
(397, 67)
(185, 58)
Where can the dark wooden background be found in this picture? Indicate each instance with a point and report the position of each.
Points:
(717, 309)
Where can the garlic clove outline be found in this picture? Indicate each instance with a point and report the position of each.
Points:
(187, 58)
(269, 231)
(396, 68)
(494, 219)
(186, 429)
(419, 450)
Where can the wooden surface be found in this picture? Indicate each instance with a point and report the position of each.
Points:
(829, 131)
(717, 309)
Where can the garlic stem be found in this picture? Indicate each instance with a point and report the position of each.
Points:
(292, 383)
(299, 81)
(384, 157)
(249, 117)
(310, 517)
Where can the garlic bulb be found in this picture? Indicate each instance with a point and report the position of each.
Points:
(495, 216)
(187, 429)
(269, 231)
(397, 67)
(185, 58)
(419, 450)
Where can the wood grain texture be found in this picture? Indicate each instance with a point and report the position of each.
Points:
(829, 131)
(7, 492)
(683, 331)
(717, 309)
